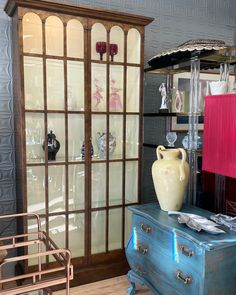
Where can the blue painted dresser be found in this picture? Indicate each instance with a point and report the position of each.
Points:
(172, 259)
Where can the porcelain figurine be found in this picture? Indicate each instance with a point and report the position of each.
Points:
(115, 100)
(97, 95)
(164, 100)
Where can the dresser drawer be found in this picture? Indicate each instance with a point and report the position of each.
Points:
(186, 281)
(170, 243)
(161, 272)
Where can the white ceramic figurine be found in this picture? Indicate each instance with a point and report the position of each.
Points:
(164, 100)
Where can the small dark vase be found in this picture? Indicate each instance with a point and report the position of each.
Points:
(53, 146)
(83, 151)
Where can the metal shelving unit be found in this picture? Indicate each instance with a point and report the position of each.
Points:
(193, 62)
(37, 280)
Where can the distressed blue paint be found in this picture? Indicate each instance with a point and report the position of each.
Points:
(175, 253)
(134, 238)
(211, 267)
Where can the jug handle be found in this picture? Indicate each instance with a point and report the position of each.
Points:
(181, 166)
(159, 148)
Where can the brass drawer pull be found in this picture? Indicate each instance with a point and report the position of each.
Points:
(145, 228)
(186, 251)
(187, 280)
(142, 250)
(139, 271)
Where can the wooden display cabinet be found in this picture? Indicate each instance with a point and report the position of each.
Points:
(62, 85)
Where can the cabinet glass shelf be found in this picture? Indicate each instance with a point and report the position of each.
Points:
(171, 114)
(153, 145)
(168, 65)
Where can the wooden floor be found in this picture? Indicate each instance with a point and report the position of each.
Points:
(114, 286)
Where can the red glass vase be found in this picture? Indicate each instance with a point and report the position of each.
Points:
(113, 50)
(101, 48)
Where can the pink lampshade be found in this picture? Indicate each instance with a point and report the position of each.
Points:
(219, 137)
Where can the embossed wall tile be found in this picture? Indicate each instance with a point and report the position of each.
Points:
(7, 158)
(7, 207)
(4, 31)
(5, 69)
(6, 140)
(5, 106)
(6, 122)
(5, 36)
(8, 228)
(5, 89)
(7, 174)
(5, 53)
(7, 192)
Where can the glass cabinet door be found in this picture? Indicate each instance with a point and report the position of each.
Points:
(82, 129)
(54, 96)
(115, 132)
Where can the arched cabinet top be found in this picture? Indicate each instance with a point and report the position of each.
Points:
(77, 10)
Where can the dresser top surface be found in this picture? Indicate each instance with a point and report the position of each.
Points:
(208, 241)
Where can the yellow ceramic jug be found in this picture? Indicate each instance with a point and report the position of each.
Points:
(170, 176)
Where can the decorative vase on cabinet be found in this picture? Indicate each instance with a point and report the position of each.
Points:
(170, 177)
(82, 200)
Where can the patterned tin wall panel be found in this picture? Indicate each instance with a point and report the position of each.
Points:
(7, 151)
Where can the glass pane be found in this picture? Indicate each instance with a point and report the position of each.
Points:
(99, 91)
(115, 229)
(57, 227)
(128, 225)
(56, 188)
(56, 124)
(75, 137)
(98, 185)
(34, 132)
(75, 76)
(54, 36)
(99, 34)
(98, 131)
(98, 232)
(36, 189)
(132, 136)
(55, 84)
(33, 83)
(133, 46)
(32, 33)
(116, 88)
(131, 182)
(115, 183)
(133, 89)
(117, 38)
(116, 129)
(32, 249)
(76, 187)
(76, 234)
(33, 226)
(75, 39)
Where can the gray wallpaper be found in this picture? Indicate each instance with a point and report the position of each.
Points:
(176, 21)
(7, 152)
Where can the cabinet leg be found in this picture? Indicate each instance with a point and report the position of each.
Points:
(133, 278)
(131, 289)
